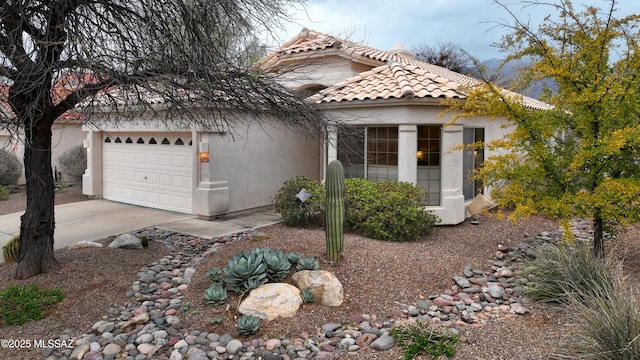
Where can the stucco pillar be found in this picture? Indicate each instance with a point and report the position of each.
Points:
(211, 197)
(452, 209)
(92, 177)
(407, 149)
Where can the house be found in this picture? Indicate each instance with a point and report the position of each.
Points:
(390, 105)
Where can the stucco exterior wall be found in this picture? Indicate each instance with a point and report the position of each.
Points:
(65, 137)
(325, 71)
(258, 160)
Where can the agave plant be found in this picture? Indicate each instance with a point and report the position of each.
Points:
(215, 274)
(307, 296)
(293, 258)
(247, 325)
(245, 270)
(277, 265)
(308, 263)
(215, 295)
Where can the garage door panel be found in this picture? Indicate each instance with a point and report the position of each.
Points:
(141, 158)
(149, 174)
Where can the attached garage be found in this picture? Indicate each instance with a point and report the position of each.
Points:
(152, 169)
(206, 174)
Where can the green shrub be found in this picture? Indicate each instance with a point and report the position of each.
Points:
(22, 303)
(419, 338)
(247, 325)
(294, 211)
(74, 162)
(5, 191)
(390, 211)
(10, 168)
(561, 274)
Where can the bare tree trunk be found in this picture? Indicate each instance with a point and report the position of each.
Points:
(35, 255)
(598, 238)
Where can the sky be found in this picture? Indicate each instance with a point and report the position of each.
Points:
(383, 24)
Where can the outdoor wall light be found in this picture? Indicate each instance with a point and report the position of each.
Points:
(203, 154)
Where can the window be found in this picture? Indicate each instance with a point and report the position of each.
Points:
(140, 141)
(382, 153)
(369, 152)
(472, 159)
(429, 145)
(428, 159)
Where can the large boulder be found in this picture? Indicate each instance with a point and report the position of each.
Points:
(271, 301)
(326, 288)
(126, 241)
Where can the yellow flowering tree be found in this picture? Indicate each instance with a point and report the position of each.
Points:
(581, 156)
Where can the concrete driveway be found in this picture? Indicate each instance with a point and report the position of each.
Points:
(97, 219)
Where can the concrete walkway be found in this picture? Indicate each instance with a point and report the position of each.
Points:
(97, 219)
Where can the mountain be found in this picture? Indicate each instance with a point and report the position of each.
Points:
(509, 72)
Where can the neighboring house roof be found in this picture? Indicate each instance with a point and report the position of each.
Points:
(61, 89)
(394, 74)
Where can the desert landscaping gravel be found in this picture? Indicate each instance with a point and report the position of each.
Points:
(383, 283)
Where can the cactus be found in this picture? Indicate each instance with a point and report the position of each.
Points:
(247, 325)
(334, 210)
(308, 263)
(144, 240)
(307, 296)
(215, 295)
(10, 250)
(245, 271)
(277, 265)
(215, 274)
(293, 258)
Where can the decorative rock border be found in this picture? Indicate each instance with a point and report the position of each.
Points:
(478, 297)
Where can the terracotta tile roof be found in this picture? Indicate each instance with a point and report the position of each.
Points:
(394, 80)
(63, 87)
(395, 74)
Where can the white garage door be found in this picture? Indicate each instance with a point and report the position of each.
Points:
(153, 170)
